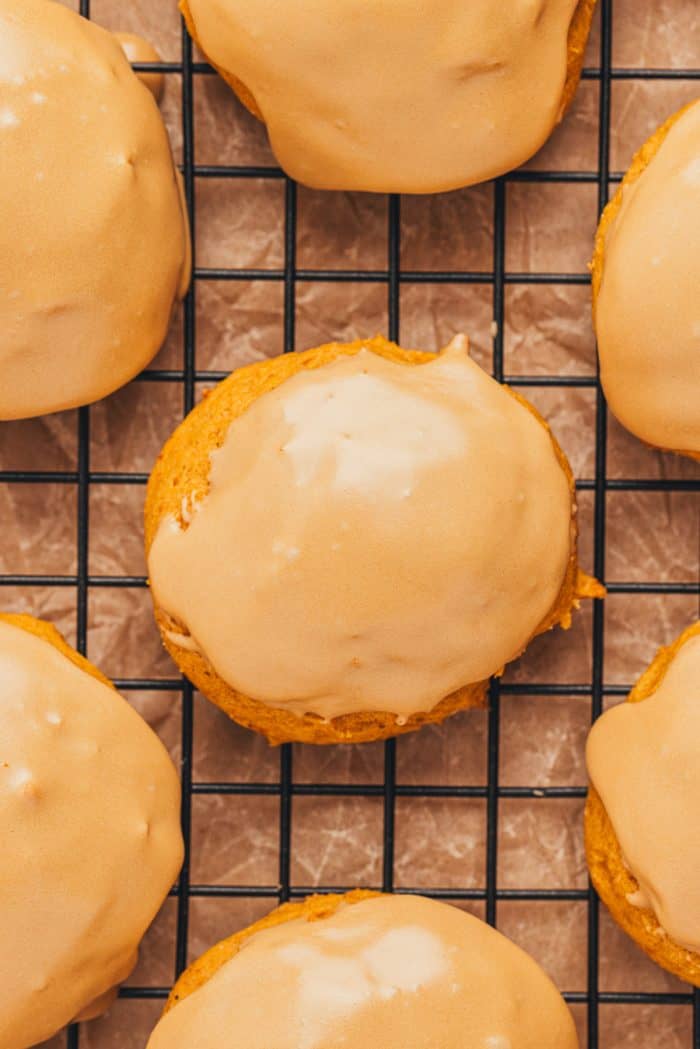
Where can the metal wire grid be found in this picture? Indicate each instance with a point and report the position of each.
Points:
(393, 277)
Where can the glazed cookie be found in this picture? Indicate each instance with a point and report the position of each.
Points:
(90, 816)
(94, 242)
(642, 830)
(400, 972)
(398, 96)
(646, 276)
(344, 544)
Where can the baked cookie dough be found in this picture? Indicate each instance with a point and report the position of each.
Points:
(360, 970)
(344, 544)
(90, 817)
(641, 822)
(646, 290)
(398, 96)
(94, 239)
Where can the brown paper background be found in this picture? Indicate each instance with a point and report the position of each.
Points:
(651, 537)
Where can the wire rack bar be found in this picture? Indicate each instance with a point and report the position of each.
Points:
(589, 73)
(593, 1000)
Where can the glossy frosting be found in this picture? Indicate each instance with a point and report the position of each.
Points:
(93, 241)
(89, 810)
(393, 972)
(644, 761)
(375, 536)
(648, 308)
(395, 95)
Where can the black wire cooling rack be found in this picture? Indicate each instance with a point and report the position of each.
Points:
(393, 277)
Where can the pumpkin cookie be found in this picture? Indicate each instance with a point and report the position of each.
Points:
(646, 275)
(94, 241)
(90, 815)
(400, 972)
(641, 821)
(400, 98)
(344, 544)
